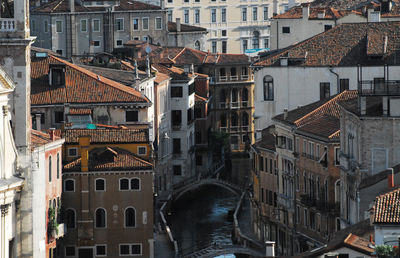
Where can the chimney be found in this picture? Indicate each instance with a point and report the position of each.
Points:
(162, 4)
(178, 24)
(72, 5)
(148, 66)
(38, 123)
(386, 6)
(306, 12)
(285, 113)
(84, 143)
(136, 71)
(269, 249)
(52, 134)
(391, 179)
(191, 69)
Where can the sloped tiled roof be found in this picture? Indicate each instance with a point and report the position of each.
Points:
(81, 86)
(344, 45)
(107, 135)
(39, 138)
(62, 6)
(387, 208)
(122, 160)
(267, 139)
(185, 28)
(297, 13)
(80, 111)
(320, 118)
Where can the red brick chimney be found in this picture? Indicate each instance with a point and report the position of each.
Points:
(391, 179)
(52, 134)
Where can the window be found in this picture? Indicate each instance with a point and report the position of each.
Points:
(223, 15)
(135, 184)
(130, 249)
(96, 43)
(176, 92)
(136, 249)
(130, 217)
(33, 25)
(72, 152)
(244, 45)
(186, 1)
(100, 184)
(96, 25)
(256, 39)
(244, 14)
(158, 23)
(59, 51)
(100, 218)
(69, 185)
(224, 47)
(344, 84)
(50, 169)
(260, 163)
(101, 250)
(254, 13)
(131, 116)
(197, 16)
(214, 46)
(213, 15)
(119, 24)
(59, 26)
(142, 150)
(324, 90)
(145, 23)
(285, 29)
(327, 27)
(169, 13)
(197, 45)
(176, 116)
(59, 116)
(268, 88)
(186, 16)
(124, 250)
(176, 145)
(266, 43)
(223, 33)
(199, 160)
(83, 25)
(265, 12)
(118, 42)
(123, 184)
(58, 165)
(304, 147)
(70, 218)
(135, 24)
(70, 251)
(177, 170)
(337, 157)
(45, 26)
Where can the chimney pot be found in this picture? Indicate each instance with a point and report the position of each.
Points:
(391, 179)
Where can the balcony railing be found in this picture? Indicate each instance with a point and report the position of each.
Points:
(235, 128)
(223, 129)
(234, 77)
(320, 205)
(7, 24)
(245, 103)
(225, 78)
(245, 128)
(235, 105)
(223, 105)
(380, 88)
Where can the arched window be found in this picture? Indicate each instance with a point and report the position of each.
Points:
(70, 218)
(245, 95)
(268, 88)
(222, 96)
(234, 95)
(234, 119)
(124, 184)
(256, 39)
(130, 217)
(197, 45)
(233, 71)
(223, 120)
(337, 191)
(135, 184)
(100, 184)
(100, 218)
(69, 185)
(50, 169)
(245, 119)
(222, 72)
(58, 165)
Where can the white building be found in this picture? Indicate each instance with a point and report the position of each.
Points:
(321, 66)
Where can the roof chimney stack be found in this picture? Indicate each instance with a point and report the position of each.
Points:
(306, 11)
(37, 119)
(285, 113)
(72, 6)
(148, 66)
(178, 24)
(391, 179)
(52, 133)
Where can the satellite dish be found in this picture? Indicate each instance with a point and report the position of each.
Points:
(148, 49)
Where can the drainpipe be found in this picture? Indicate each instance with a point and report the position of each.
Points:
(337, 80)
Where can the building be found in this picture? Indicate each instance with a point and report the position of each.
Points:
(302, 22)
(386, 218)
(184, 35)
(237, 27)
(47, 188)
(302, 73)
(100, 26)
(108, 193)
(368, 142)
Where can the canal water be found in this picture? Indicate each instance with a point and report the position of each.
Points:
(200, 218)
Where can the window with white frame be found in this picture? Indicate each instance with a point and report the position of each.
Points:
(186, 16)
(142, 150)
(72, 152)
(96, 25)
(244, 14)
(255, 12)
(101, 250)
(213, 15)
(197, 16)
(135, 22)
(158, 23)
(130, 249)
(119, 24)
(135, 184)
(130, 217)
(100, 184)
(265, 12)
(83, 25)
(118, 42)
(214, 46)
(223, 15)
(145, 23)
(100, 218)
(59, 25)
(69, 185)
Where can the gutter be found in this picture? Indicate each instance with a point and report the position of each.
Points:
(337, 80)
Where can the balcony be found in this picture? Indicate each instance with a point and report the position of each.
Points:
(235, 129)
(347, 163)
(235, 105)
(320, 205)
(245, 104)
(7, 24)
(379, 88)
(223, 129)
(232, 78)
(245, 128)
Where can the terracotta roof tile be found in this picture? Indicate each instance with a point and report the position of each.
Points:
(328, 13)
(160, 77)
(344, 45)
(359, 243)
(116, 159)
(107, 135)
(39, 138)
(81, 86)
(387, 208)
(80, 111)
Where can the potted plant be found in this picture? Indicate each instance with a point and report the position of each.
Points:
(384, 251)
(52, 222)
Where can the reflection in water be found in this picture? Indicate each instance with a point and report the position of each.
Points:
(199, 219)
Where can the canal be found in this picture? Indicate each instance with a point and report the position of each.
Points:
(200, 218)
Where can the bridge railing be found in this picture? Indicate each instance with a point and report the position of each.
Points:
(167, 229)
